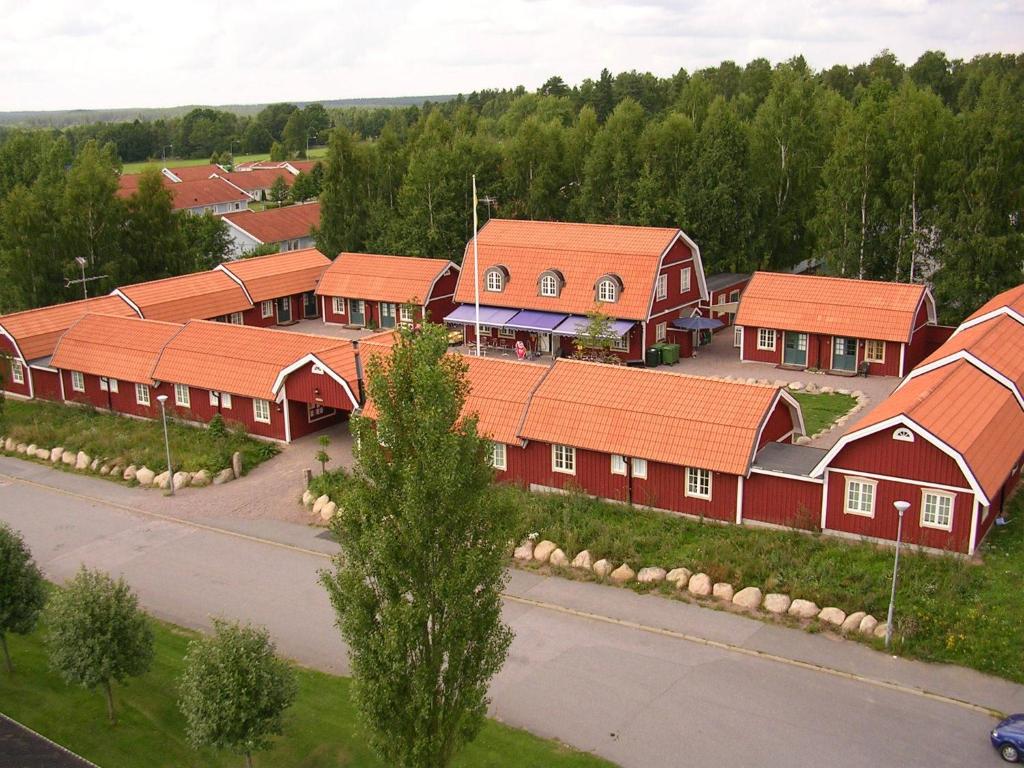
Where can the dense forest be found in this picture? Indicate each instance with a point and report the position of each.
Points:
(880, 170)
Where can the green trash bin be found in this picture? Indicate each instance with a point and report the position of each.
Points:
(653, 357)
(669, 354)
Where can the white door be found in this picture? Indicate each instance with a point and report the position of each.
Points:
(544, 343)
(737, 336)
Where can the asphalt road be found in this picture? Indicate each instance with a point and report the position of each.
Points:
(637, 692)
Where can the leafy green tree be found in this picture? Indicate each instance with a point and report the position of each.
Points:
(92, 212)
(535, 170)
(274, 117)
(152, 245)
(417, 584)
(278, 152)
(666, 147)
(303, 188)
(294, 136)
(613, 167)
(206, 240)
(234, 690)
(597, 336)
(279, 190)
(343, 198)
(22, 590)
(97, 634)
(256, 139)
(317, 119)
(321, 455)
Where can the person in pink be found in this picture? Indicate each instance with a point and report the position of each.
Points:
(520, 350)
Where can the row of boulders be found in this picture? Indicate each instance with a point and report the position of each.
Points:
(700, 585)
(120, 468)
(319, 506)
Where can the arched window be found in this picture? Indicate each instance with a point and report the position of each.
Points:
(551, 283)
(608, 289)
(495, 279)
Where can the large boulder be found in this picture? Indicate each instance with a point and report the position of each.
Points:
(652, 574)
(42, 453)
(867, 625)
(22, 448)
(723, 591)
(308, 497)
(543, 551)
(144, 475)
(162, 480)
(558, 558)
(700, 585)
(879, 630)
(236, 463)
(201, 479)
(796, 386)
(679, 576)
(116, 469)
(226, 475)
(803, 609)
(832, 615)
(328, 511)
(319, 503)
(602, 568)
(130, 472)
(95, 465)
(748, 597)
(31, 449)
(852, 622)
(584, 561)
(623, 574)
(105, 469)
(524, 551)
(69, 458)
(82, 460)
(9, 444)
(776, 603)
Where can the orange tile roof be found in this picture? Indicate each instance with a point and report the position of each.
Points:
(966, 409)
(581, 252)
(123, 348)
(864, 309)
(196, 172)
(997, 343)
(275, 225)
(37, 331)
(245, 360)
(1013, 298)
(304, 166)
(258, 178)
(204, 192)
(279, 274)
(667, 417)
(198, 296)
(401, 279)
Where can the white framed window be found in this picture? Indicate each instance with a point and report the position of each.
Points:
(766, 339)
(506, 333)
(142, 394)
(660, 331)
(698, 483)
(261, 410)
(485, 330)
(77, 381)
(548, 285)
(17, 372)
(860, 497)
(684, 279)
(338, 305)
(407, 314)
(267, 309)
(621, 343)
(937, 510)
(737, 336)
(563, 459)
(874, 351)
(498, 456)
(618, 464)
(182, 397)
(734, 296)
(108, 385)
(661, 287)
(607, 291)
(495, 280)
(640, 468)
(236, 318)
(223, 397)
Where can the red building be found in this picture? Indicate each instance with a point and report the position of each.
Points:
(280, 287)
(724, 290)
(28, 339)
(538, 280)
(198, 296)
(370, 290)
(837, 324)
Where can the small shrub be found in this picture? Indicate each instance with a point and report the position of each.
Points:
(217, 427)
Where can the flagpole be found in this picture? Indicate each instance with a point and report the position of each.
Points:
(476, 271)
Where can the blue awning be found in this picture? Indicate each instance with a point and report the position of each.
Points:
(574, 323)
(465, 314)
(697, 323)
(535, 320)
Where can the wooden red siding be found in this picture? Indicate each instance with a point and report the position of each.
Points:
(301, 424)
(714, 297)
(240, 411)
(307, 387)
(782, 501)
(752, 353)
(779, 425)
(7, 351)
(46, 384)
(515, 463)
(327, 308)
(122, 401)
(441, 302)
(819, 352)
(918, 461)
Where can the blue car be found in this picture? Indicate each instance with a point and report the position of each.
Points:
(1008, 738)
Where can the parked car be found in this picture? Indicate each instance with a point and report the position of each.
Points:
(1008, 738)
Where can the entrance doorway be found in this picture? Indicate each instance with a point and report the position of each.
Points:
(309, 305)
(356, 312)
(544, 343)
(284, 310)
(387, 314)
(844, 354)
(794, 350)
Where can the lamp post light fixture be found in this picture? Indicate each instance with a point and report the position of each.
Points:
(901, 507)
(162, 399)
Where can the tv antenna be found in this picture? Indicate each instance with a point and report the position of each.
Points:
(83, 280)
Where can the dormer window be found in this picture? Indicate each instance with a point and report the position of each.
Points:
(551, 283)
(495, 279)
(608, 289)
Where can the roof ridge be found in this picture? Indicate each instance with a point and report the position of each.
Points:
(594, 224)
(840, 278)
(60, 305)
(646, 371)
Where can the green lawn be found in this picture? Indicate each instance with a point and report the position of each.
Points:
(321, 728)
(820, 410)
(173, 162)
(947, 609)
(137, 441)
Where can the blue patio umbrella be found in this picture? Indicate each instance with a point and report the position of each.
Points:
(697, 323)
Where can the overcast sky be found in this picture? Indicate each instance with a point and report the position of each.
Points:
(63, 54)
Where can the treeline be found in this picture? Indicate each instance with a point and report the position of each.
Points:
(879, 171)
(56, 206)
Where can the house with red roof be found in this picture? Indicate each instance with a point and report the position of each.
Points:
(197, 195)
(289, 228)
(366, 290)
(837, 324)
(538, 280)
(280, 286)
(257, 182)
(210, 295)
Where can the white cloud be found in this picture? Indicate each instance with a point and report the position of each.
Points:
(110, 53)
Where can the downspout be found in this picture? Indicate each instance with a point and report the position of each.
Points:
(629, 479)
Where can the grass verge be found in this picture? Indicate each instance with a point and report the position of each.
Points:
(139, 167)
(321, 729)
(137, 441)
(821, 409)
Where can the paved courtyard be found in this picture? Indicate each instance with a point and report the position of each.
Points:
(320, 328)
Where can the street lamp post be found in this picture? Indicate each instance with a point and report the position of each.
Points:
(163, 152)
(901, 507)
(162, 399)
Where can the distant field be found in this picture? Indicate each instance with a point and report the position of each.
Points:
(139, 167)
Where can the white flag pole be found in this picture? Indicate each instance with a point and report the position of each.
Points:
(476, 271)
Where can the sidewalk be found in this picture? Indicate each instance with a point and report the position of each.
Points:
(600, 603)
